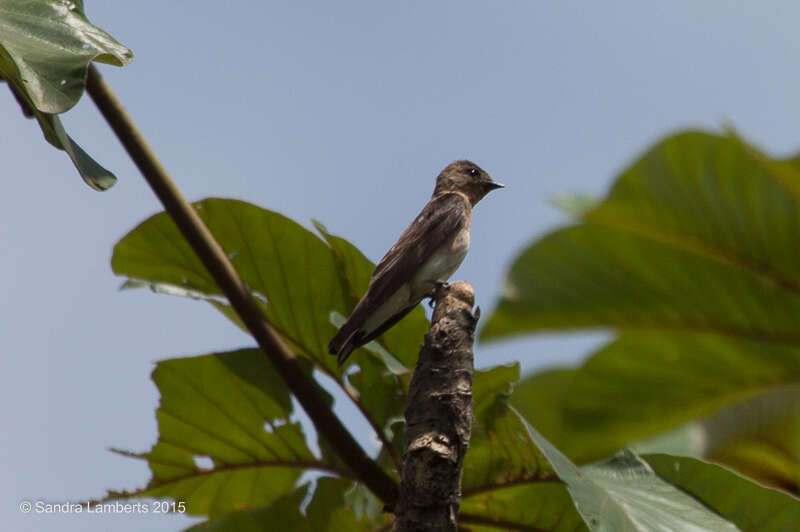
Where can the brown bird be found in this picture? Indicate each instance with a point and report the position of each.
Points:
(426, 254)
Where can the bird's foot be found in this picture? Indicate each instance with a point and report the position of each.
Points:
(438, 287)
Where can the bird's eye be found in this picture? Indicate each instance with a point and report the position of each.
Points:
(473, 172)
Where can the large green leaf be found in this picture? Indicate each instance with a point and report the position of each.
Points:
(301, 282)
(692, 258)
(758, 436)
(697, 235)
(743, 502)
(227, 435)
(647, 382)
(45, 50)
(542, 506)
(46, 47)
(283, 264)
(623, 494)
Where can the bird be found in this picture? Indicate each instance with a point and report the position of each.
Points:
(427, 253)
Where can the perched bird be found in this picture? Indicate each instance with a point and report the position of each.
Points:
(427, 254)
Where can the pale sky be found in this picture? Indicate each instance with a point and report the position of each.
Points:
(343, 112)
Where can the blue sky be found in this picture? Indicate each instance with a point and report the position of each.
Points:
(343, 112)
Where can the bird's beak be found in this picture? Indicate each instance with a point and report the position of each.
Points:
(491, 185)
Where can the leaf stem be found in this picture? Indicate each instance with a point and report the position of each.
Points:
(302, 385)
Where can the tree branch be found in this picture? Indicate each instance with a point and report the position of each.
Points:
(27, 112)
(439, 416)
(303, 386)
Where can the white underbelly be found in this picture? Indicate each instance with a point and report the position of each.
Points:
(444, 262)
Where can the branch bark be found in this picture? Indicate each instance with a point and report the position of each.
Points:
(302, 385)
(439, 416)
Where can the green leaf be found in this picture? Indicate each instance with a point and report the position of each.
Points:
(647, 382)
(758, 436)
(745, 503)
(90, 170)
(697, 235)
(283, 264)
(543, 506)
(619, 396)
(624, 494)
(501, 453)
(540, 397)
(46, 47)
(492, 383)
(227, 435)
(284, 510)
(692, 259)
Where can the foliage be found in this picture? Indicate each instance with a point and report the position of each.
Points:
(690, 258)
(512, 476)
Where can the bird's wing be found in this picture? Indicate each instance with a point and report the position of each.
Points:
(441, 218)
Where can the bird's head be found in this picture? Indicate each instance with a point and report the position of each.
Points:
(467, 178)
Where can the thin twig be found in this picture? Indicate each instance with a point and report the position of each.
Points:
(303, 386)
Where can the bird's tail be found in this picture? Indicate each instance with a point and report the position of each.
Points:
(345, 341)
(352, 336)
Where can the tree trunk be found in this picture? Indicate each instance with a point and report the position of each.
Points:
(439, 416)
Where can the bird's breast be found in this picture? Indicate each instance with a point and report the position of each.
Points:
(443, 262)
